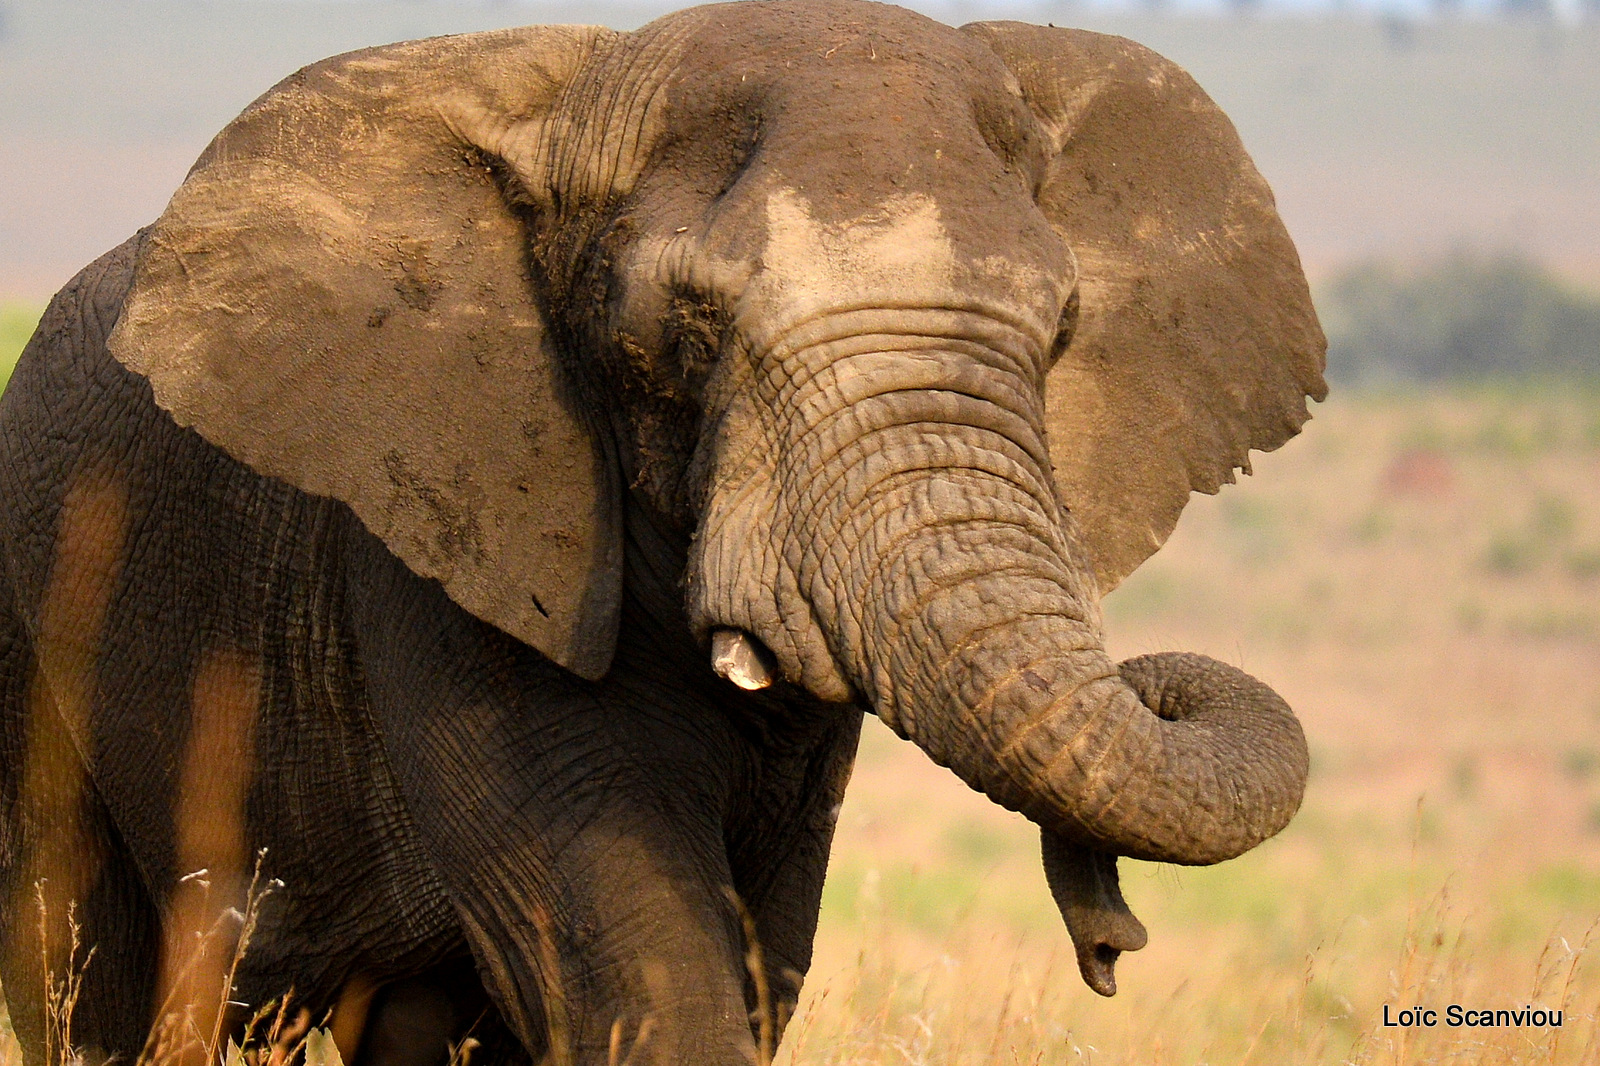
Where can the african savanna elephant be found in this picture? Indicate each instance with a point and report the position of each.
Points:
(502, 478)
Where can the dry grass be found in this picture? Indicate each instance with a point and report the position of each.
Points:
(193, 1028)
(1420, 575)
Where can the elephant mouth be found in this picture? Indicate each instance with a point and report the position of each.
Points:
(1083, 882)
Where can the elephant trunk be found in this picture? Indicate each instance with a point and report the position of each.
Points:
(1172, 758)
(943, 574)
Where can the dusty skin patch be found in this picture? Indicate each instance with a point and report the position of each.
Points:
(899, 254)
(902, 246)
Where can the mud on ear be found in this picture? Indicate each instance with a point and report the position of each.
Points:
(1196, 338)
(338, 296)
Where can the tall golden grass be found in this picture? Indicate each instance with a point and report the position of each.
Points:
(190, 1027)
(1420, 576)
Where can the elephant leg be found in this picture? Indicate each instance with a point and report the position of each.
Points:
(108, 939)
(778, 845)
(78, 910)
(598, 914)
(578, 830)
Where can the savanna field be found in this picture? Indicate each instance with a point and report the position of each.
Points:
(1419, 574)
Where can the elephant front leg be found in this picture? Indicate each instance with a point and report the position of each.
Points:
(578, 836)
(599, 914)
(779, 836)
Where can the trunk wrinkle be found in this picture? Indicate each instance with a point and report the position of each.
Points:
(910, 612)
(878, 472)
(854, 623)
(982, 356)
(978, 635)
(907, 403)
(844, 373)
(791, 391)
(900, 408)
(914, 495)
(983, 322)
(1099, 780)
(871, 500)
(853, 377)
(910, 615)
(959, 691)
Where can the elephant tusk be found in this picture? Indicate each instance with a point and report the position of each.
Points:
(737, 656)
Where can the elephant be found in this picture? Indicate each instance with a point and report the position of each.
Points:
(486, 501)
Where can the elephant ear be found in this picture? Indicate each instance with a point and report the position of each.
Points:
(1196, 338)
(339, 297)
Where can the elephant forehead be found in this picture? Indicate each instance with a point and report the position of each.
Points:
(899, 253)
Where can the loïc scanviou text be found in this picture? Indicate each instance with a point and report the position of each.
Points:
(1455, 1016)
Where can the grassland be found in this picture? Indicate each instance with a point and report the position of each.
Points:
(1420, 575)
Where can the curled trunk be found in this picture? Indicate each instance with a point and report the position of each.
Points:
(944, 574)
(1172, 758)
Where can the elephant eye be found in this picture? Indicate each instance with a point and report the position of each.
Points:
(1066, 326)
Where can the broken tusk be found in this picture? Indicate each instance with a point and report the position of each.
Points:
(736, 656)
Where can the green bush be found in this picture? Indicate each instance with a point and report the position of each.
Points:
(16, 326)
(1463, 318)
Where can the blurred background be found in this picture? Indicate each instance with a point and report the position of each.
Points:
(1419, 573)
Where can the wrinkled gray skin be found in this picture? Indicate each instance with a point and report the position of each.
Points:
(382, 504)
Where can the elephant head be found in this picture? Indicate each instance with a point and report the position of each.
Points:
(919, 338)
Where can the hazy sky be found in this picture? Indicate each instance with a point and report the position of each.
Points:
(1381, 137)
(1571, 10)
